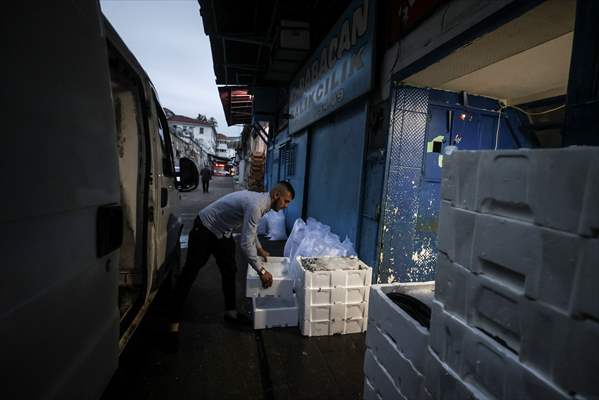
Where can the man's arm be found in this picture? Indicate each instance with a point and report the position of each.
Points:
(249, 243)
(248, 236)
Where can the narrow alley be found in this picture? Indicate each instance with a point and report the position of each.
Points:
(216, 361)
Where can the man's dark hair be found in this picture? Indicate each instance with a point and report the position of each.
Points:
(288, 187)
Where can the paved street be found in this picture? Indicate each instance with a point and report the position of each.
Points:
(218, 362)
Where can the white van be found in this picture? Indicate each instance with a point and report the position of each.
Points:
(89, 225)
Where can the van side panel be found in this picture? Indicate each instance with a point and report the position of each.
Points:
(58, 301)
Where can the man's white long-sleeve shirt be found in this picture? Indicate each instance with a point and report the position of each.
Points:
(243, 208)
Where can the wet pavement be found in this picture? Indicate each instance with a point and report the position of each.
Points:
(216, 361)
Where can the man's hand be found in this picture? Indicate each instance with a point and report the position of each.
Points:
(263, 253)
(266, 279)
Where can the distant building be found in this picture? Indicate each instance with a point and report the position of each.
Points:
(251, 157)
(226, 146)
(203, 132)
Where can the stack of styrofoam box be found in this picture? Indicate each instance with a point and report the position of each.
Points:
(277, 305)
(333, 300)
(396, 345)
(516, 311)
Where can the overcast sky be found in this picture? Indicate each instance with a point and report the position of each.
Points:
(167, 38)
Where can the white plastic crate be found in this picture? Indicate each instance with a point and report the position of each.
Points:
(272, 311)
(555, 188)
(345, 295)
(406, 334)
(332, 327)
(333, 312)
(379, 381)
(332, 272)
(282, 282)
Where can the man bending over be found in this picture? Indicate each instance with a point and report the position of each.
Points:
(212, 235)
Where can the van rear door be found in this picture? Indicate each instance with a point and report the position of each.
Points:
(59, 212)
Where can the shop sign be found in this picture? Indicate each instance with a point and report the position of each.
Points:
(338, 71)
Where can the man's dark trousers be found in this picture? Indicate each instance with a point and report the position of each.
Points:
(203, 243)
(205, 184)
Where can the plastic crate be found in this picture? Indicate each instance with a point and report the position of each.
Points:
(282, 282)
(334, 312)
(379, 381)
(491, 368)
(272, 311)
(333, 327)
(344, 295)
(332, 295)
(409, 337)
(335, 272)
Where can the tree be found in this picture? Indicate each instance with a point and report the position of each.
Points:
(202, 118)
(213, 121)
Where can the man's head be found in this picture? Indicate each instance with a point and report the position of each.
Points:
(281, 195)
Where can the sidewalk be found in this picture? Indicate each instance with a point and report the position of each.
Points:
(218, 362)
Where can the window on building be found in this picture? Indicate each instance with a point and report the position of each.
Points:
(287, 159)
(201, 131)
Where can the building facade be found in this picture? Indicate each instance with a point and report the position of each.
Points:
(202, 132)
(226, 146)
(386, 89)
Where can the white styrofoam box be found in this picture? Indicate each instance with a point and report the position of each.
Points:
(272, 311)
(556, 188)
(460, 178)
(369, 391)
(589, 220)
(405, 376)
(483, 301)
(334, 312)
(444, 384)
(282, 282)
(451, 285)
(379, 379)
(334, 295)
(545, 338)
(332, 327)
(456, 233)
(585, 302)
(562, 348)
(488, 365)
(540, 262)
(410, 337)
(341, 272)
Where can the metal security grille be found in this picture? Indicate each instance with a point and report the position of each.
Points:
(291, 156)
(287, 160)
(283, 161)
(406, 254)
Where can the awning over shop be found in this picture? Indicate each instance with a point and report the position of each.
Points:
(237, 104)
(262, 44)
